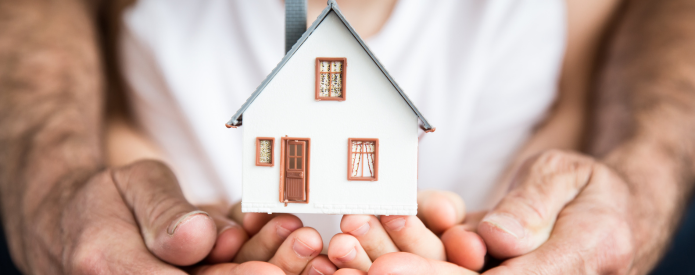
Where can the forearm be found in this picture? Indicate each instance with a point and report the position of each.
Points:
(50, 109)
(644, 123)
(564, 125)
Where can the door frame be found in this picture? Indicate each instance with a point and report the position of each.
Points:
(283, 148)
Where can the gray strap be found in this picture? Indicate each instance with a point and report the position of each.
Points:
(295, 21)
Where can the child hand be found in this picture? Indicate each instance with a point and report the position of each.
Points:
(278, 239)
(367, 238)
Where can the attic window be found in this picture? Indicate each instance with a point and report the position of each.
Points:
(363, 159)
(330, 78)
(264, 151)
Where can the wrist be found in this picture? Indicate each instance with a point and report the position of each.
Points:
(658, 186)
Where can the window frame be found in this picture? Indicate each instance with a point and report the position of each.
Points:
(343, 79)
(272, 151)
(376, 160)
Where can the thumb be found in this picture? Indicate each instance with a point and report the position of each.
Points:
(525, 217)
(173, 229)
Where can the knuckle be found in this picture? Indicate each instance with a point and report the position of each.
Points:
(151, 164)
(556, 171)
(531, 209)
(162, 210)
(553, 159)
(553, 155)
(150, 170)
(87, 261)
(560, 161)
(141, 172)
(379, 246)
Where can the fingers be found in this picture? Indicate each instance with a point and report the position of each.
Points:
(230, 236)
(229, 242)
(346, 252)
(247, 268)
(369, 232)
(401, 263)
(262, 246)
(349, 271)
(253, 222)
(173, 229)
(320, 265)
(440, 210)
(591, 235)
(524, 218)
(411, 235)
(299, 248)
(464, 248)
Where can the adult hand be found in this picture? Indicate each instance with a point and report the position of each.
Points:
(368, 239)
(135, 220)
(565, 214)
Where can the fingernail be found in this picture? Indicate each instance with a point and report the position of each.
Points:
(183, 219)
(349, 256)
(507, 224)
(314, 271)
(396, 224)
(361, 230)
(302, 249)
(283, 232)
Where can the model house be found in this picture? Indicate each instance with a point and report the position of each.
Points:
(329, 130)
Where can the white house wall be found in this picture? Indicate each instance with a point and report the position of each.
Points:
(373, 109)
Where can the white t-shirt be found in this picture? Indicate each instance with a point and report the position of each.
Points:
(484, 72)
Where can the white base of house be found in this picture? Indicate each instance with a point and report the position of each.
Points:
(323, 208)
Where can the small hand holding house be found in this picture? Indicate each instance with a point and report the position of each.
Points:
(329, 130)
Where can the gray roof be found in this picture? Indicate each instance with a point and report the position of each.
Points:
(332, 7)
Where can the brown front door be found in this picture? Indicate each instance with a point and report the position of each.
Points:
(295, 171)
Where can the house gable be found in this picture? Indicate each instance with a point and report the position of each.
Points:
(331, 9)
(370, 93)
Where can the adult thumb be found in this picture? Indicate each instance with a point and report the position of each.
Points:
(525, 217)
(173, 229)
